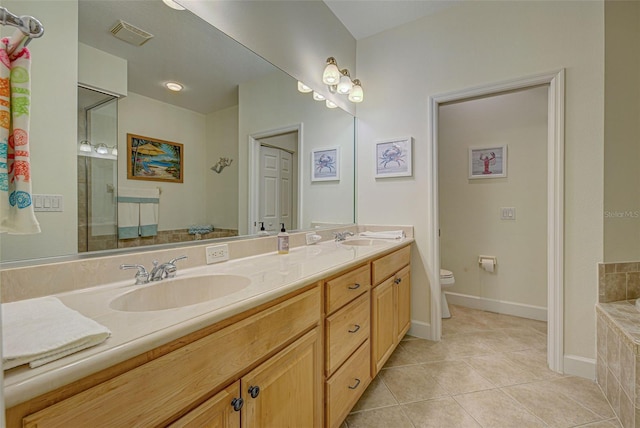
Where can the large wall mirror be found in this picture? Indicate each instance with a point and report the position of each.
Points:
(109, 133)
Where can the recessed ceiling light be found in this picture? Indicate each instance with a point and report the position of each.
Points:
(173, 4)
(174, 86)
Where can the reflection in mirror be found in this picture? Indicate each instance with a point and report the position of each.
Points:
(234, 105)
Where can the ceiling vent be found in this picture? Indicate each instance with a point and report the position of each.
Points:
(130, 34)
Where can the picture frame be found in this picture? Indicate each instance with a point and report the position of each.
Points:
(325, 164)
(152, 159)
(488, 162)
(394, 158)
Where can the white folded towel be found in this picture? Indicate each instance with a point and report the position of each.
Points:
(38, 331)
(386, 234)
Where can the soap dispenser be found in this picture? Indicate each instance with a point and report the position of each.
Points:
(283, 241)
(262, 231)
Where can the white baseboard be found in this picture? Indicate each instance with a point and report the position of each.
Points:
(500, 306)
(420, 329)
(579, 366)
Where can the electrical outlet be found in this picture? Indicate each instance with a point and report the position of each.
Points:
(217, 253)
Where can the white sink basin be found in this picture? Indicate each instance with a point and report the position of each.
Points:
(362, 242)
(179, 292)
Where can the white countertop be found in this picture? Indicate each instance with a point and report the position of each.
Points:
(133, 333)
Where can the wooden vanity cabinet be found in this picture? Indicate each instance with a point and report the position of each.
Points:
(391, 305)
(277, 349)
(282, 392)
(347, 352)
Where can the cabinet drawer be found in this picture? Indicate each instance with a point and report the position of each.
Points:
(346, 386)
(154, 393)
(341, 290)
(389, 264)
(345, 330)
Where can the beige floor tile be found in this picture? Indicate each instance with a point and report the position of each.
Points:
(494, 408)
(457, 376)
(379, 418)
(609, 423)
(553, 407)
(377, 395)
(411, 383)
(586, 392)
(401, 357)
(500, 371)
(438, 413)
(527, 338)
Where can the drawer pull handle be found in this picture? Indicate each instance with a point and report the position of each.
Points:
(237, 404)
(398, 280)
(254, 391)
(355, 329)
(354, 286)
(356, 385)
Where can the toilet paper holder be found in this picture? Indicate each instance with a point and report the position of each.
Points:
(492, 258)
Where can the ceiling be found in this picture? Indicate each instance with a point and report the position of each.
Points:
(364, 18)
(187, 49)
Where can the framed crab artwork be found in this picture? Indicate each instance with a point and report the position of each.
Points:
(325, 164)
(394, 158)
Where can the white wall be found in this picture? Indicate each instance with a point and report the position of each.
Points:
(180, 203)
(277, 95)
(470, 223)
(622, 128)
(296, 36)
(469, 45)
(222, 189)
(102, 71)
(53, 130)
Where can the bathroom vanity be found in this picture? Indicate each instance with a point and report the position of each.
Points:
(300, 356)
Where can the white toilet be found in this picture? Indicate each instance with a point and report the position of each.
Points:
(446, 281)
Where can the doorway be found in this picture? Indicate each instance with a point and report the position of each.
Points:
(555, 205)
(275, 180)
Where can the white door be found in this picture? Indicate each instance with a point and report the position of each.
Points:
(276, 188)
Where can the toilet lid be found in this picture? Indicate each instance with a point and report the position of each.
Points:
(446, 273)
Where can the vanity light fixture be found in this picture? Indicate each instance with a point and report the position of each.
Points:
(85, 146)
(331, 104)
(304, 88)
(173, 4)
(340, 81)
(114, 150)
(174, 86)
(318, 97)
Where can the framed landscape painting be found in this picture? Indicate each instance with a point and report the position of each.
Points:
(154, 160)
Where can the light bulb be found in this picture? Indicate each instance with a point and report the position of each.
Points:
(304, 88)
(102, 149)
(357, 94)
(345, 85)
(318, 97)
(331, 75)
(174, 86)
(114, 150)
(85, 146)
(331, 104)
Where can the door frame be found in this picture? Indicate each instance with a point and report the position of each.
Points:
(254, 170)
(555, 202)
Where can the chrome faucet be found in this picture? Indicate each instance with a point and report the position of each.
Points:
(165, 270)
(142, 276)
(341, 236)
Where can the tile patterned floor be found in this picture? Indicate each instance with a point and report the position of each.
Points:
(489, 370)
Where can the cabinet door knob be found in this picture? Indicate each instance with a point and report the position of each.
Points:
(356, 385)
(354, 286)
(254, 391)
(398, 280)
(237, 404)
(357, 327)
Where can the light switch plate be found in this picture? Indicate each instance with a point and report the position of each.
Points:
(507, 213)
